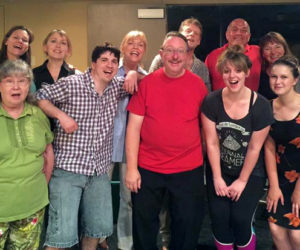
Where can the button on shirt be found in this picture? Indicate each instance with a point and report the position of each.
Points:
(87, 150)
(121, 121)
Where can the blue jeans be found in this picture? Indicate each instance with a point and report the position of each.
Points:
(74, 196)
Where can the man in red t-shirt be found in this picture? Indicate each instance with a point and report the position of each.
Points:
(238, 33)
(163, 149)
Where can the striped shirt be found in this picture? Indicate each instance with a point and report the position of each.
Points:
(88, 150)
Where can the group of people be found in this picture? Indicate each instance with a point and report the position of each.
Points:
(239, 113)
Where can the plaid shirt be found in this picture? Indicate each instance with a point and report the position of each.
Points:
(87, 150)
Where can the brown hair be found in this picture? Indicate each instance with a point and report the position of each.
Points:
(190, 21)
(273, 37)
(234, 55)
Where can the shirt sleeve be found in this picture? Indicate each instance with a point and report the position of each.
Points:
(156, 64)
(55, 93)
(137, 103)
(262, 114)
(209, 106)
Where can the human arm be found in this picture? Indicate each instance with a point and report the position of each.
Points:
(274, 192)
(296, 198)
(132, 177)
(254, 147)
(213, 152)
(48, 161)
(131, 81)
(67, 123)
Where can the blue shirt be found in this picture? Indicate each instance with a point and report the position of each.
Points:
(121, 121)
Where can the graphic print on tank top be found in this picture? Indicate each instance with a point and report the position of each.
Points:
(234, 140)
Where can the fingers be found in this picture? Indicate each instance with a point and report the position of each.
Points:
(295, 209)
(134, 186)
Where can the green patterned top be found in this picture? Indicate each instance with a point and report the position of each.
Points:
(23, 186)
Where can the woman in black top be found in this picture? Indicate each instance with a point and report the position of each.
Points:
(57, 46)
(236, 122)
(282, 154)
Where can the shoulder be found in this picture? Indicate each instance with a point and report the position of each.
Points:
(39, 68)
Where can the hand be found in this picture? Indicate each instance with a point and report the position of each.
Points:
(236, 189)
(68, 123)
(133, 180)
(274, 195)
(131, 82)
(221, 187)
(296, 203)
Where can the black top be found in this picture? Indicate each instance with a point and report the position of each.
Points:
(41, 74)
(235, 134)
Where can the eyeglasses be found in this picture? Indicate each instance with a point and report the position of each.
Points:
(22, 82)
(171, 51)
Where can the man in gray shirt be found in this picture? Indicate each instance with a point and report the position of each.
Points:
(192, 29)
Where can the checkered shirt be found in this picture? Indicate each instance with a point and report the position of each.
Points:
(88, 150)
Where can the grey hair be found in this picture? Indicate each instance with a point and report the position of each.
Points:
(15, 67)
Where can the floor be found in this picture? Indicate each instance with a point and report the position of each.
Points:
(264, 241)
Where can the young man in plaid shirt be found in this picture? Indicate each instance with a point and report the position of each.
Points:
(84, 106)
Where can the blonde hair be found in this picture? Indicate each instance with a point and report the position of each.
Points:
(62, 33)
(133, 34)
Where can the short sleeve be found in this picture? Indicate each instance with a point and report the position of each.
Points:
(137, 103)
(262, 114)
(210, 105)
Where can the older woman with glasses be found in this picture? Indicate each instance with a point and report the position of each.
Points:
(25, 142)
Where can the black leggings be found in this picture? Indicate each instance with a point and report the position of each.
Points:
(232, 220)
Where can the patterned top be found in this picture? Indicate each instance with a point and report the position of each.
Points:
(23, 186)
(286, 135)
(88, 150)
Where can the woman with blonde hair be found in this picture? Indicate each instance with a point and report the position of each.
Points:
(57, 47)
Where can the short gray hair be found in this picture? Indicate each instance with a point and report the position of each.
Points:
(15, 67)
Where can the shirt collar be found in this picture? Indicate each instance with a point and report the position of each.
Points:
(26, 111)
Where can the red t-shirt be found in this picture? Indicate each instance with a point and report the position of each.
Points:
(170, 133)
(252, 82)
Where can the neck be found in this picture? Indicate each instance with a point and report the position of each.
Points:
(100, 85)
(190, 53)
(236, 96)
(14, 112)
(129, 65)
(11, 57)
(53, 63)
(288, 99)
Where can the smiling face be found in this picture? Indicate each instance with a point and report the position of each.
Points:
(57, 47)
(234, 78)
(282, 80)
(17, 44)
(105, 68)
(192, 34)
(134, 50)
(14, 90)
(173, 55)
(272, 51)
(238, 33)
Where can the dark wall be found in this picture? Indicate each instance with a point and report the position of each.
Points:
(284, 19)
